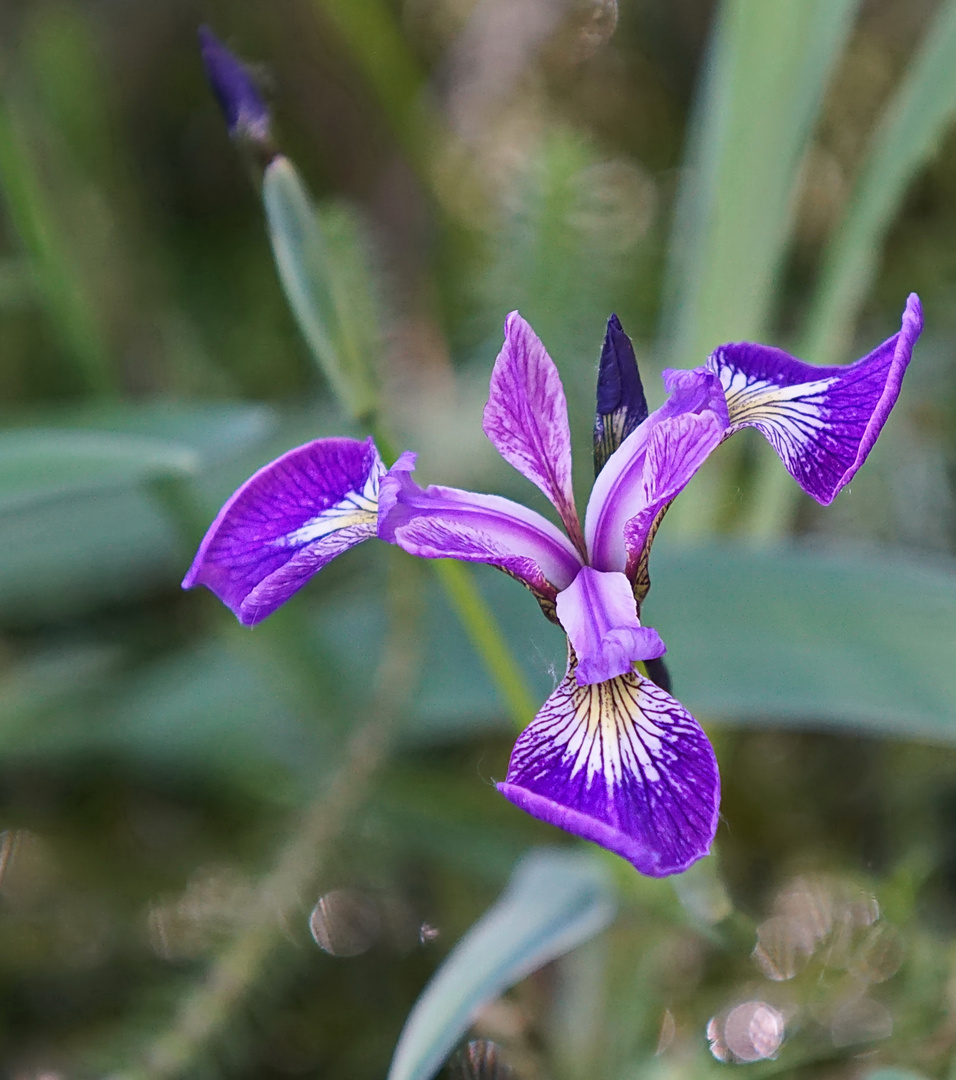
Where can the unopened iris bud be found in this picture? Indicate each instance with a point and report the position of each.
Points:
(246, 114)
(621, 404)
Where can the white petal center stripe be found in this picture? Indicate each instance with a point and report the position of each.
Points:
(357, 508)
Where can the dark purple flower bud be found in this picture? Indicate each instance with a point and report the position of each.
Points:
(242, 105)
(621, 404)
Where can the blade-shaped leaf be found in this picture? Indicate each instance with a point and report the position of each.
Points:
(768, 67)
(42, 464)
(554, 901)
(322, 271)
(797, 637)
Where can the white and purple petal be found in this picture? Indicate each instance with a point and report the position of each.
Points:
(526, 419)
(822, 421)
(286, 522)
(621, 763)
(652, 466)
(599, 615)
(448, 523)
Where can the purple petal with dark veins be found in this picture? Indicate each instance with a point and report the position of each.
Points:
(623, 764)
(822, 421)
(448, 523)
(621, 404)
(526, 419)
(286, 522)
(240, 101)
(653, 464)
(599, 615)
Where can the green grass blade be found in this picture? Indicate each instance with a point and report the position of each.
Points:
(768, 70)
(906, 137)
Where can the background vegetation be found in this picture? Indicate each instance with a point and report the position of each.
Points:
(243, 854)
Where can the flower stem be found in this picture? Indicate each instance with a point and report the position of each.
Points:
(485, 634)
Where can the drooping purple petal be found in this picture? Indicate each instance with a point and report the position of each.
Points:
(526, 419)
(286, 522)
(624, 764)
(241, 103)
(822, 421)
(448, 523)
(652, 466)
(599, 615)
(621, 404)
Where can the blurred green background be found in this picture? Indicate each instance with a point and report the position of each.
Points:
(177, 793)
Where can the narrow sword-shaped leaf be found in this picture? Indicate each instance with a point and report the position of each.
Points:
(554, 901)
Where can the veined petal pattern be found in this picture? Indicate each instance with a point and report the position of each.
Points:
(286, 522)
(526, 419)
(624, 764)
(822, 421)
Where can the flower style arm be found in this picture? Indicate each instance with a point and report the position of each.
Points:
(448, 523)
(651, 467)
(526, 419)
(623, 764)
(821, 421)
(286, 522)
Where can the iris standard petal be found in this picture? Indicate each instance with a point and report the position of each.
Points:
(822, 421)
(623, 764)
(286, 522)
(599, 615)
(448, 523)
(526, 419)
(652, 466)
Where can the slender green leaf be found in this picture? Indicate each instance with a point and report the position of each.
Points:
(554, 901)
(906, 137)
(768, 68)
(43, 464)
(320, 265)
(798, 637)
(908, 134)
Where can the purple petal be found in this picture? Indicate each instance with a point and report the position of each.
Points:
(599, 615)
(447, 523)
(623, 764)
(822, 421)
(286, 523)
(527, 419)
(621, 404)
(245, 112)
(651, 467)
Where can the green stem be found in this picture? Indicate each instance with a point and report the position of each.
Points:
(477, 619)
(486, 637)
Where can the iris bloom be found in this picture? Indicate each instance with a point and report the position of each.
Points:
(611, 756)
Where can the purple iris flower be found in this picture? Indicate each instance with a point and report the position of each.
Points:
(610, 756)
(241, 103)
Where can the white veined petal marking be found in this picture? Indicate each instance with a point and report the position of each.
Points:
(356, 508)
(621, 728)
(794, 418)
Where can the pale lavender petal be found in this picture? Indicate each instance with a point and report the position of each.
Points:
(599, 615)
(527, 418)
(286, 523)
(653, 464)
(447, 523)
(676, 449)
(822, 421)
(623, 764)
